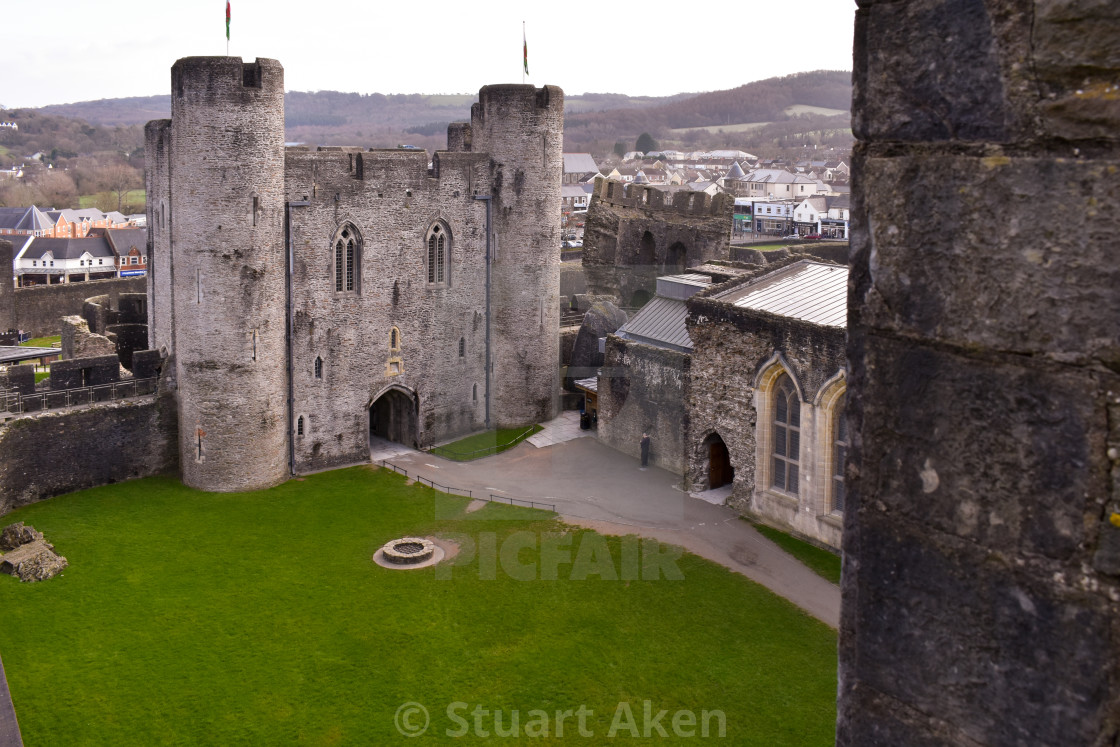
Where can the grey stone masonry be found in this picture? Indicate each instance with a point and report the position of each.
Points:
(981, 588)
(636, 233)
(228, 282)
(522, 129)
(7, 289)
(383, 326)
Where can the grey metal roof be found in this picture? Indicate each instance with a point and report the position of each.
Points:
(17, 353)
(736, 171)
(811, 291)
(591, 384)
(579, 163)
(683, 286)
(661, 323)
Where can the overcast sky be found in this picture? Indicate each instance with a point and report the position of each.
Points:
(94, 49)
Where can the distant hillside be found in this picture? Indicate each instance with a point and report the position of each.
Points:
(761, 101)
(134, 110)
(333, 108)
(594, 121)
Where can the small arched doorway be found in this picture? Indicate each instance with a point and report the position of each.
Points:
(720, 471)
(640, 298)
(676, 259)
(393, 417)
(647, 251)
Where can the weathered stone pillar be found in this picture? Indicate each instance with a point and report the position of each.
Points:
(7, 288)
(982, 564)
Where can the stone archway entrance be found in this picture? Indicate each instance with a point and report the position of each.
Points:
(393, 417)
(720, 471)
(676, 259)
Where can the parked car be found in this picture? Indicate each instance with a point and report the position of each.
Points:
(812, 235)
(577, 244)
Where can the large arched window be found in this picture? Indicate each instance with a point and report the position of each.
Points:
(347, 260)
(786, 443)
(439, 252)
(840, 441)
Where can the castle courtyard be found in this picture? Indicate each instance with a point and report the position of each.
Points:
(260, 617)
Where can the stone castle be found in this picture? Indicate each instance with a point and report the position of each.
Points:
(308, 299)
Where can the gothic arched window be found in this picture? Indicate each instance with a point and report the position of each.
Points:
(439, 252)
(786, 444)
(840, 441)
(347, 260)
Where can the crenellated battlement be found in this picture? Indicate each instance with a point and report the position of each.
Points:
(215, 79)
(645, 197)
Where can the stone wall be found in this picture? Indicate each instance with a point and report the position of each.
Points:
(634, 234)
(57, 452)
(572, 280)
(82, 372)
(733, 349)
(391, 209)
(37, 309)
(7, 288)
(521, 128)
(228, 282)
(79, 342)
(981, 547)
(644, 389)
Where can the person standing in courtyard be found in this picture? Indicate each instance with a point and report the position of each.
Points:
(645, 449)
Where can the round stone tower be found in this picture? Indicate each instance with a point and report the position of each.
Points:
(522, 129)
(228, 285)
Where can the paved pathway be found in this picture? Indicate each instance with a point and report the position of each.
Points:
(9, 729)
(594, 485)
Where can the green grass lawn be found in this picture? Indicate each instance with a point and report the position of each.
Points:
(259, 618)
(43, 342)
(484, 444)
(823, 562)
(133, 197)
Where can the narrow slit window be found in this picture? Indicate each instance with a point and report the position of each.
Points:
(462, 347)
(318, 367)
(299, 426)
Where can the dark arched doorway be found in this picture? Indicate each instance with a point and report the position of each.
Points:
(393, 416)
(676, 259)
(647, 251)
(640, 298)
(720, 471)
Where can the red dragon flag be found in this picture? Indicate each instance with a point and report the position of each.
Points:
(227, 20)
(525, 48)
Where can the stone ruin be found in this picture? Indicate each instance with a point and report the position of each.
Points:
(27, 555)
